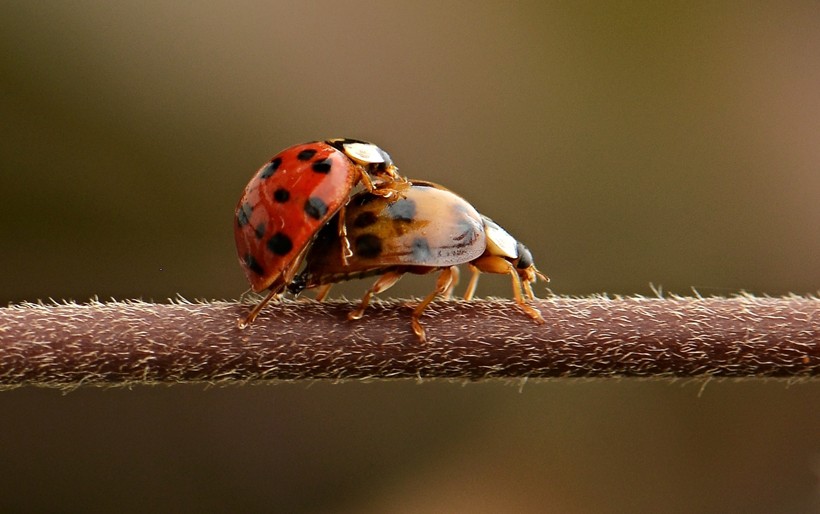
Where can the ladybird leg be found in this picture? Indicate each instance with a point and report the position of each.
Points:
(468, 294)
(448, 293)
(365, 179)
(322, 292)
(384, 282)
(494, 264)
(345, 242)
(528, 288)
(532, 275)
(444, 282)
(379, 190)
(274, 293)
(244, 296)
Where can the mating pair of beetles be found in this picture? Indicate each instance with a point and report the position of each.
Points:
(304, 206)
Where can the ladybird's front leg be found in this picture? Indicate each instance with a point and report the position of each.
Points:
(382, 189)
(501, 266)
(276, 291)
(529, 277)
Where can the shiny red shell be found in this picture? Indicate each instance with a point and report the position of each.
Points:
(285, 205)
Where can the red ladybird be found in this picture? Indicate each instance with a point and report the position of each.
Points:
(424, 228)
(292, 197)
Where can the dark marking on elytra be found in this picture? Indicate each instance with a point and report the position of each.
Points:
(259, 231)
(467, 231)
(280, 244)
(306, 155)
(281, 195)
(365, 219)
(253, 265)
(421, 250)
(368, 246)
(403, 210)
(243, 214)
(271, 168)
(315, 207)
(322, 166)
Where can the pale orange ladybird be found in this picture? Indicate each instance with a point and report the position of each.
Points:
(423, 228)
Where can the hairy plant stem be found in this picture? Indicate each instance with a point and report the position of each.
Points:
(124, 343)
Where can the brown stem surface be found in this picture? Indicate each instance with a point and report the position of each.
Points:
(122, 343)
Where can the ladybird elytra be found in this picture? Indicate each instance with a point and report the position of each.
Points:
(294, 195)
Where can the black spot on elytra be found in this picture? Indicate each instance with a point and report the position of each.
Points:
(365, 219)
(368, 246)
(253, 265)
(280, 244)
(259, 231)
(306, 155)
(421, 250)
(322, 166)
(243, 214)
(315, 207)
(281, 195)
(271, 168)
(402, 210)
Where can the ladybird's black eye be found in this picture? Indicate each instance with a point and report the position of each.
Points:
(298, 284)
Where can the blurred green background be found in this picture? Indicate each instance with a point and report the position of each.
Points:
(627, 144)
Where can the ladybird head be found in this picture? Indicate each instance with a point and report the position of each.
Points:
(525, 265)
(501, 244)
(298, 284)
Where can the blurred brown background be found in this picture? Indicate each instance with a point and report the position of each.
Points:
(626, 144)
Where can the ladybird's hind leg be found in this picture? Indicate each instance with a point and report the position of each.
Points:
(494, 264)
(384, 282)
(471, 286)
(443, 284)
